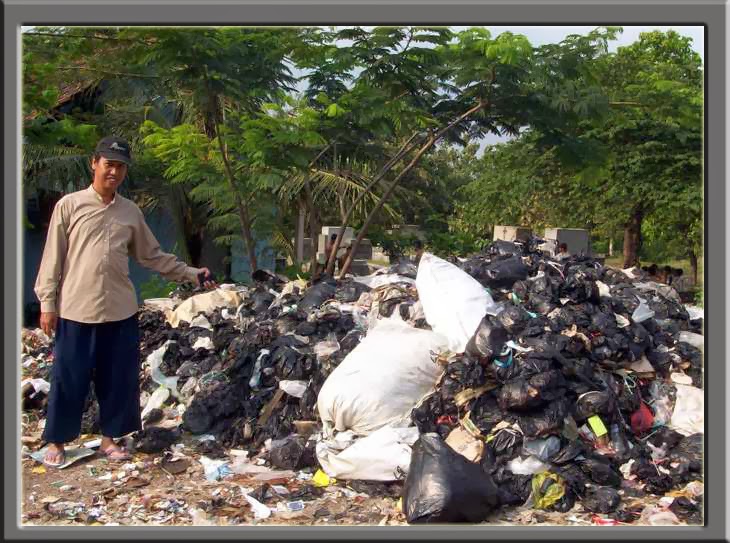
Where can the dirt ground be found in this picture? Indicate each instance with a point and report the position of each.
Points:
(151, 490)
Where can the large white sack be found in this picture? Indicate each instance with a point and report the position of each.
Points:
(381, 380)
(384, 455)
(454, 303)
(689, 410)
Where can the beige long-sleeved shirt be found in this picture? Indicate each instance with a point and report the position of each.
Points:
(84, 272)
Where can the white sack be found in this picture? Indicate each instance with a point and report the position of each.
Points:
(381, 380)
(384, 455)
(689, 410)
(454, 303)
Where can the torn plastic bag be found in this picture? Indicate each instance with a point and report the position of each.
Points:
(504, 273)
(384, 455)
(488, 340)
(454, 303)
(542, 449)
(376, 280)
(642, 313)
(547, 489)
(381, 380)
(153, 361)
(527, 466)
(601, 499)
(442, 486)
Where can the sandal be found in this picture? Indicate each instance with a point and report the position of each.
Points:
(62, 459)
(116, 454)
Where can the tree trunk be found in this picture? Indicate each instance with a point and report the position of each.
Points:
(693, 264)
(371, 216)
(610, 247)
(313, 227)
(406, 148)
(241, 207)
(632, 238)
(379, 205)
(299, 234)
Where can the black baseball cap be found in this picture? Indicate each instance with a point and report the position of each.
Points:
(114, 148)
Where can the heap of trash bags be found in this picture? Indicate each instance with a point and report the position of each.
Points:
(503, 379)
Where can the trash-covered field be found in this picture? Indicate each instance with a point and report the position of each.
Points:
(506, 388)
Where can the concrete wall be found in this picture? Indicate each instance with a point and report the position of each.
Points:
(512, 233)
(578, 240)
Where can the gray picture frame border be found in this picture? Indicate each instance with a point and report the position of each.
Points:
(711, 14)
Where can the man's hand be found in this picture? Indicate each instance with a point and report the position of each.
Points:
(208, 281)
(48, 323)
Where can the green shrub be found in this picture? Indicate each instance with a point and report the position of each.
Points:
(156, 287)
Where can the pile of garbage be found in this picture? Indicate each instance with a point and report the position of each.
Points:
(504, 379)
(580, 383)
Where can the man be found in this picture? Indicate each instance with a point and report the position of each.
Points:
(665, 275)
(563, 253)
(418, 246)
(679, 281)
(89, 302)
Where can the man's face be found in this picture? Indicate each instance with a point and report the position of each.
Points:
(108, 174)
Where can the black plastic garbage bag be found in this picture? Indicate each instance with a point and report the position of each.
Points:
(521, 393)
(317, 294)
(443, 486)
(216, 402)
(504, 273)
(502, 247)
(488, 340)
(568, 453)
(291, 453)
(261, 300)
(545, 420)
(596, 402)
(155, 439)
(601, 499)
(600, 471)
(686, 510)
(514, 319)
(262, 275)
(689, 450)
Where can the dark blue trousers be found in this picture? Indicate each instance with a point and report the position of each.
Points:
(108, 354)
